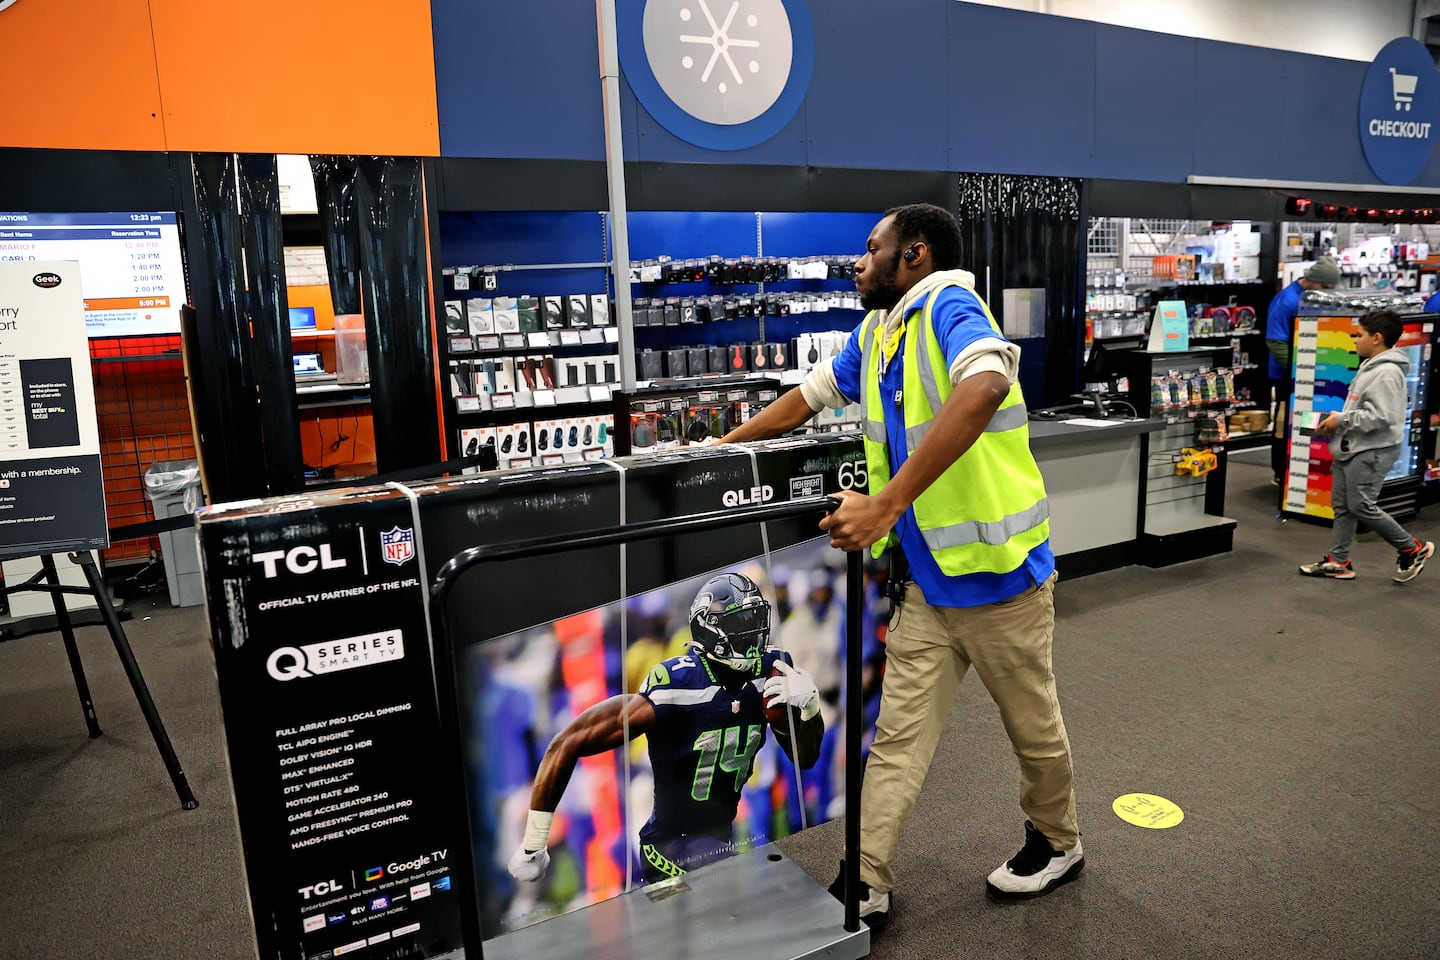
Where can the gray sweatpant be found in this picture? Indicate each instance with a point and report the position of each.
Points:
(1355, 488)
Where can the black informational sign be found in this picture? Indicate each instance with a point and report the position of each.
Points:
(48, 392)
(324, 664)
(343, 786)
(52, 494)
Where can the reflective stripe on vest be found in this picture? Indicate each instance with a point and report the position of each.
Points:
(1006, 418)
(997, 479)
(874, 427)
(995, 533)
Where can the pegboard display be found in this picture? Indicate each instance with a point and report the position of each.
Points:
(144, 417)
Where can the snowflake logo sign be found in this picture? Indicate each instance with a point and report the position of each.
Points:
(721, 74)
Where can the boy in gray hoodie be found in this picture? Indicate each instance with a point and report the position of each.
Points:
(1365, 444)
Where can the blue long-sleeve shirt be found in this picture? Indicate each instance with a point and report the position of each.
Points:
(959, 321)
(1280, 321)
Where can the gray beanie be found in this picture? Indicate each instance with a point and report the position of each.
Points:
(1325, 271)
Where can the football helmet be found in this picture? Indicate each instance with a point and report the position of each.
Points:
(730, 622)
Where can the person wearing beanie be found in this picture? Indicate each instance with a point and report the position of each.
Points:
(1323, 274)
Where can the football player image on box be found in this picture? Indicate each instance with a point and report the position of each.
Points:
(704, 715)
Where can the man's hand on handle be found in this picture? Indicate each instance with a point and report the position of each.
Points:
(860, 520)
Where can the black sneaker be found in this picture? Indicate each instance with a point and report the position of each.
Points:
(1037, 869)
(874, 907)
(1409, 563)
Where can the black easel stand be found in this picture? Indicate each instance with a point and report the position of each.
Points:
(48, 581)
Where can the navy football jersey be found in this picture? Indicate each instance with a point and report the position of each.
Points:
(709, 724)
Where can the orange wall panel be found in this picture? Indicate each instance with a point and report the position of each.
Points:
(276, 76)
(82, 76)
(317, 297)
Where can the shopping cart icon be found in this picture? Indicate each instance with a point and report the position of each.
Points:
(1404, 88)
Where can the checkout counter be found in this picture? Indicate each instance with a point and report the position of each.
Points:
(1095, 472)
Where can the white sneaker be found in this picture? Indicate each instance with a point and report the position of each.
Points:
(874, 907)
(1037, 869)
(1409, 563)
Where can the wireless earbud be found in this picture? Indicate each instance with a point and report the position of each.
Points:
(910, 253)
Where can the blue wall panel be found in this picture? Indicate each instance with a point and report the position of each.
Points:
(1144, 105)
(879, 76)
(1320, 132)
(809, 234)
(1020, 92)
(688, 235)
(658, 145)
(931, 85)
(518, 80)
(477, 239)
(1239, 100)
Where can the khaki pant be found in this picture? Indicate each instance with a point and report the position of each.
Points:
(928, 650)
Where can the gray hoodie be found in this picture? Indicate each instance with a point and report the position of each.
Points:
(1375, 408)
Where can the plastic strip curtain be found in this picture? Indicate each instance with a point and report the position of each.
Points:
(1026, 232)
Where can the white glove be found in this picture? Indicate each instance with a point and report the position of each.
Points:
(793, 688)
(528, 867)
(524, 865)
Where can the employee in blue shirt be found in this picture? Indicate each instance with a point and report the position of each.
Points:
(1433, 304)
(954, 496)
(1323, 274)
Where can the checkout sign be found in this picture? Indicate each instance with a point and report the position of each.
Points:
(1400, 111)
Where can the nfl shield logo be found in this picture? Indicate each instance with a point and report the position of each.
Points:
(398, 545)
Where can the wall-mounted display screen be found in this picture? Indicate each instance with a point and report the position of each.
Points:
(131, 271)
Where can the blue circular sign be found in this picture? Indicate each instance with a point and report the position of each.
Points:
(720, 74)
(1400, 111)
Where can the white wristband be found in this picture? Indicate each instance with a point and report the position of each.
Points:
(537, 831)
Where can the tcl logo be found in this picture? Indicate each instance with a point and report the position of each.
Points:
(739, 498)
(299, 560)
(322, 889)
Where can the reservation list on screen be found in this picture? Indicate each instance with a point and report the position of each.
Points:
(131, 272)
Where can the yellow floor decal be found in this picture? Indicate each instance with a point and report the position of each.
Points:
(1148, 811)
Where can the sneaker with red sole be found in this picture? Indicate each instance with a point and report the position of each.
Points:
(1409, 563)
(1327, 567)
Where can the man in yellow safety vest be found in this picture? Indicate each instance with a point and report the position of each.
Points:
(956, 499)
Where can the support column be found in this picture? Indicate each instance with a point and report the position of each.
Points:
(615, 174)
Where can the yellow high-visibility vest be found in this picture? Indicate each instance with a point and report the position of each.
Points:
(988, 510)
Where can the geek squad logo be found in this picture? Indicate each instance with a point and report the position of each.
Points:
(1400, 111)
(720, 74)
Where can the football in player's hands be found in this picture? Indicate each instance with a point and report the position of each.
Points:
(789, 686)
(528, 867)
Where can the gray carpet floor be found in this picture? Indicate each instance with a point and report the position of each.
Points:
(1294, 721)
